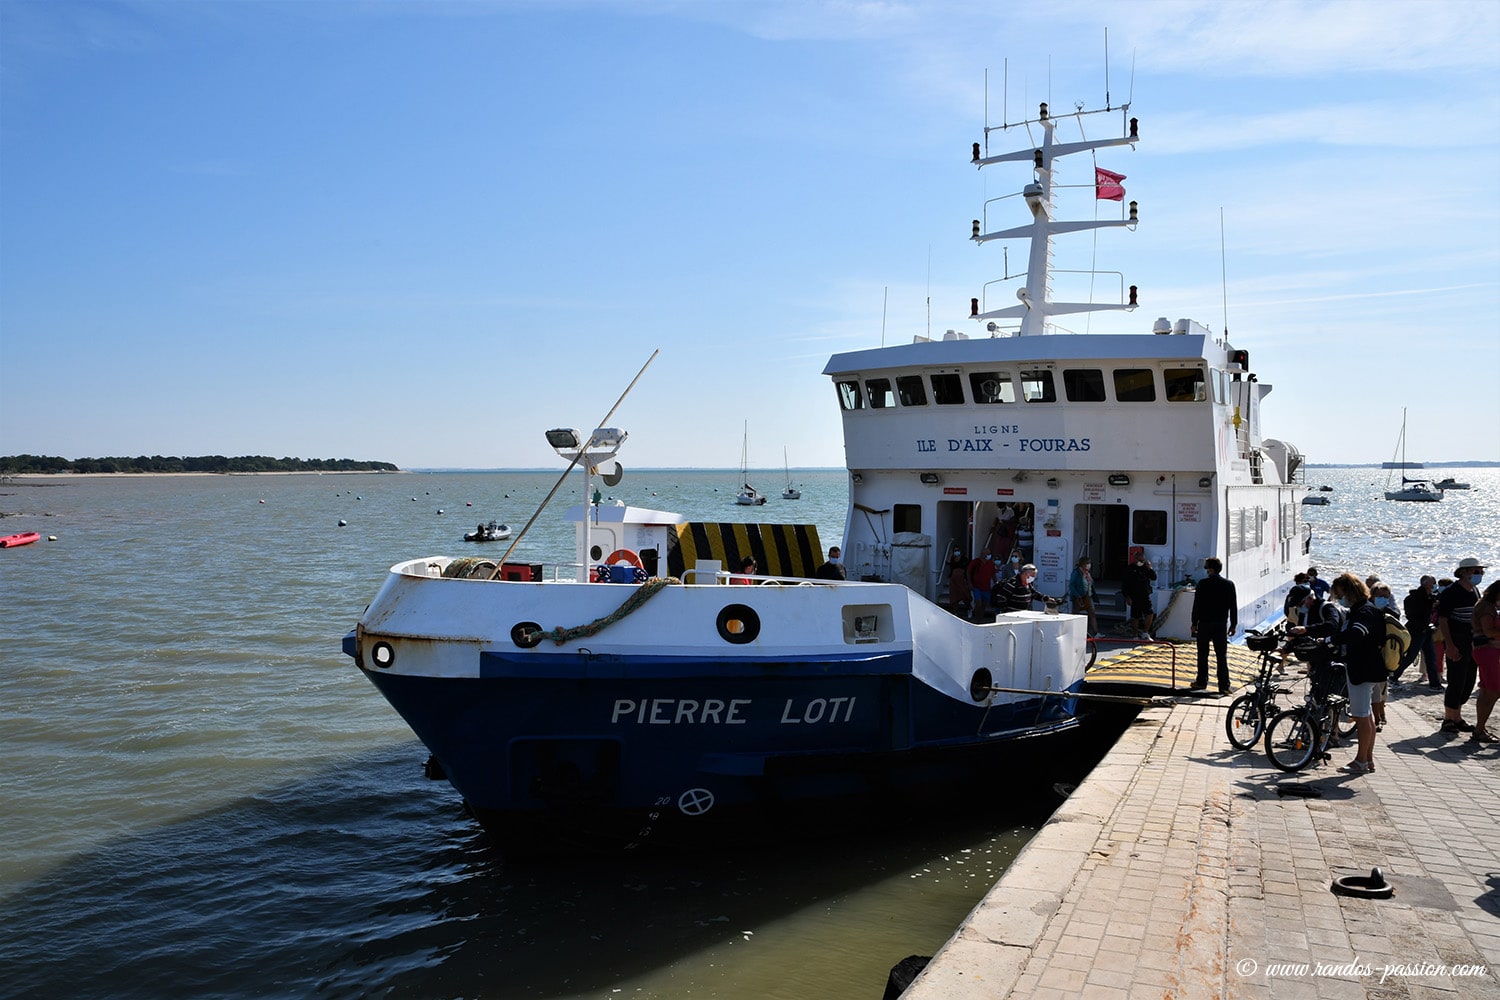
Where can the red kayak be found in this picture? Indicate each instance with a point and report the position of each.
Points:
(23, 538)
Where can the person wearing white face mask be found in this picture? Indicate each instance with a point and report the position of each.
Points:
(1017, 594)
(833, 569)
(1455, 616)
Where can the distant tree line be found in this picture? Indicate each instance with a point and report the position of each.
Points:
(18, 464)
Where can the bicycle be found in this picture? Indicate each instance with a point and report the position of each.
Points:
(1246, 721)
(1300, 735)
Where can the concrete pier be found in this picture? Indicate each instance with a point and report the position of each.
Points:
(1183, 868)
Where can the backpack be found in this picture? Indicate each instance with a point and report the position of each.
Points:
(1396, 642)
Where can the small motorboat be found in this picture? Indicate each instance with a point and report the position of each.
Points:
(492, 532)
(1450, 484)
(19, 538)
(1315, 500)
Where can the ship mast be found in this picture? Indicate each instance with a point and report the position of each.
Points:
(1037, 306)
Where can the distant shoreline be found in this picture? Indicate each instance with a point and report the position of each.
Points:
(17, 477)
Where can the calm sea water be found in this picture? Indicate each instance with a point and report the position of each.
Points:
(202, 797)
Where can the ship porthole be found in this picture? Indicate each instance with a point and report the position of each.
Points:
(383, 655)
(980, 684)
(738, 624)
(526, 634)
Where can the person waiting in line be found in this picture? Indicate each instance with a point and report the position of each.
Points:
(1363, 640)
(1215, 617)
(1018, 594)
(1455, 615)
(833, 569)
(1324, 620)
(1319, 585)
(748, 569)
(1419, 604)
(1486, 624)
(1382, 598)
(1081, 593)
(1438, 649)
(1292, 606)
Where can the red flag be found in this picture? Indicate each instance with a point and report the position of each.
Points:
(1107, 185)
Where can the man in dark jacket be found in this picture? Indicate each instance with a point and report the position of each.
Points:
(833, 569)
(1419, 605)
(1216, 616)
(1455, 618)
(1292, 606)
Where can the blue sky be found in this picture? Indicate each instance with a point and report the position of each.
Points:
(426, 232)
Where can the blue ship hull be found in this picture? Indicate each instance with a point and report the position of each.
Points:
(621, 753)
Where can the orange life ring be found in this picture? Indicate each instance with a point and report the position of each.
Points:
(625, 555)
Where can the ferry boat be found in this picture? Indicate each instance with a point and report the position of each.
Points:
(647, 695)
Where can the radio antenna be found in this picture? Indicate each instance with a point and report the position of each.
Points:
(1224, 271)
(885, 298)
(1106, 69)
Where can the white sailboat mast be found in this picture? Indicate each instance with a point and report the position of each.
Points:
(1037, 306)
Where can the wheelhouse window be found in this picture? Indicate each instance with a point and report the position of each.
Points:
(947, 389)
(1135, 385)
(850, 396)
(880, 392)
(992, 387)
(911, 391)
(1083, 385)
(1185, 385)
(1037, 387)
(1148, 527)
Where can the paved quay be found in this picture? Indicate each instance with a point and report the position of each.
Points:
(1183, 868)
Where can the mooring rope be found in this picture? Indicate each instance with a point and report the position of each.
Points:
(638, 597)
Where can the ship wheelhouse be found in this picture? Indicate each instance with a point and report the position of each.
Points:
(1059, 447)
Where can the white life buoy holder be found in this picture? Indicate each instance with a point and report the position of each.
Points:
(625, 556)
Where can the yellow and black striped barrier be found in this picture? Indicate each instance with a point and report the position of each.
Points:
(778, 549)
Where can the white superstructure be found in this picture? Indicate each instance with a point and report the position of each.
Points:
(1064, 444)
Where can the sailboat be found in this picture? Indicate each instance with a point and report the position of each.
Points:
(748, 496)
(791, 492)
(1419, 490)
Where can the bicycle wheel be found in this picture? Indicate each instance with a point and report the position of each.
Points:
(1292, 739)
(1245, 724)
